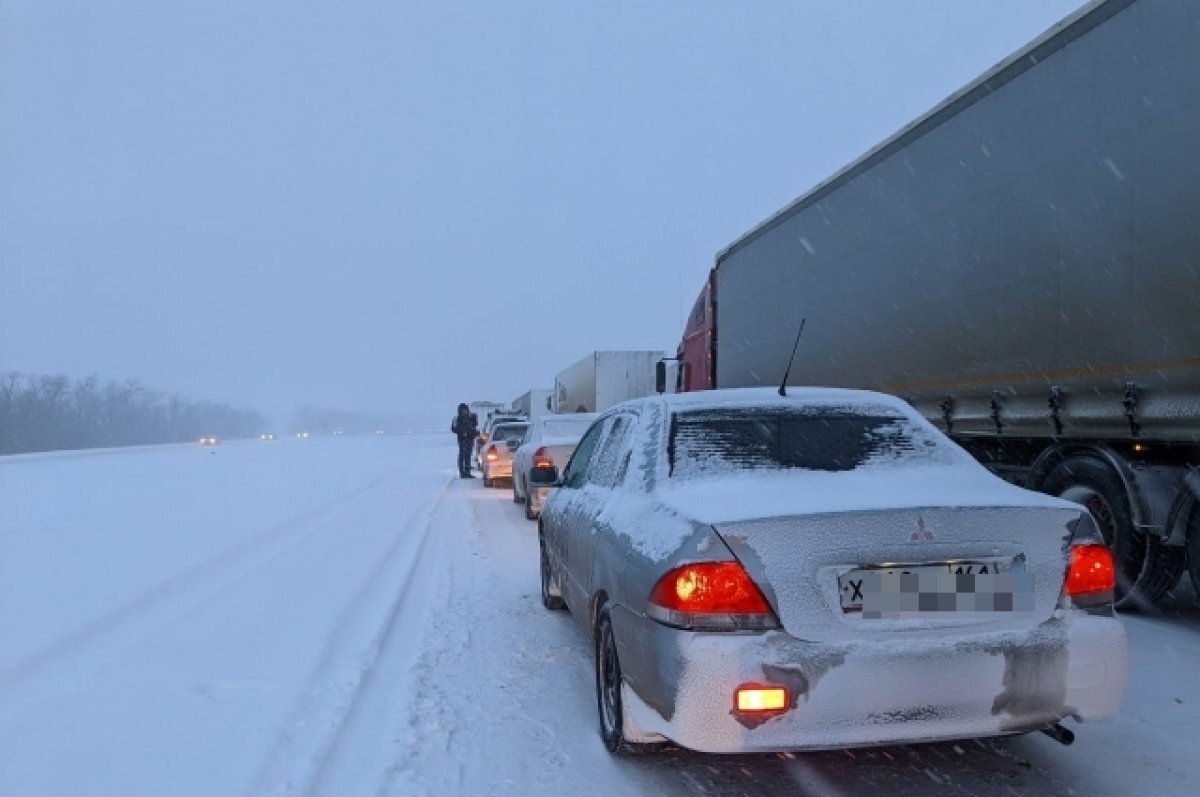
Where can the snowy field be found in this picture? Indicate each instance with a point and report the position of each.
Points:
(342, 617)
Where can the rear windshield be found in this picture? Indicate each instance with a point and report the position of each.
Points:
(509, 431)
(709, 442)
(573, 428)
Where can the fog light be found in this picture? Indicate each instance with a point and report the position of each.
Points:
(755, 697)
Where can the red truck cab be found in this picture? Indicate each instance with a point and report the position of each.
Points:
(698, 350)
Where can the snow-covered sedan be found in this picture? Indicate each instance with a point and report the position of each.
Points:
(548, 445)
(497, 453)
(822, 570)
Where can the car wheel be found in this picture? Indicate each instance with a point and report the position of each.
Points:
(516, 495)
(1147, 569)
(551, 593)
(608, 693)
(529, 513)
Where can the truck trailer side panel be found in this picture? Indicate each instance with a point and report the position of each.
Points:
(1040, 230)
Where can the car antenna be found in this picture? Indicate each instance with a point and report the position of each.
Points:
(792, 359)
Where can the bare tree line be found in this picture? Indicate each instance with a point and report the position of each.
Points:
(49, 413)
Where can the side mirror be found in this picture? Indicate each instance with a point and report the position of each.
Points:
(660, 376)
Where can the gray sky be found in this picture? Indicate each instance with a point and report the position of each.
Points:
(394, 206)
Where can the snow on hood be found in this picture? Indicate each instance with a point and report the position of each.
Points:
(751, 495)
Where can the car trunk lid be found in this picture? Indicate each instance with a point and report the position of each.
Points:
(819, 571)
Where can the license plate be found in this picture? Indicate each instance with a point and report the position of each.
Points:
(938, 588)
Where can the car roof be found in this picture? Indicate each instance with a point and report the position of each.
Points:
(766, 397)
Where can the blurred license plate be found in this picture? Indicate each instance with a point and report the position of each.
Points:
(937, 588)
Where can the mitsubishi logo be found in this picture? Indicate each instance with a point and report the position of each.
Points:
(921, 533)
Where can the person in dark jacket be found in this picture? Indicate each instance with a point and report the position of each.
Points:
(466, 426)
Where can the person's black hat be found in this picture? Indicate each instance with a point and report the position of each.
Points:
(463, 406)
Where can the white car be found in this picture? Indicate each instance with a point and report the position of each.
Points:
(485, 431)
(547, 447)
(823, 570)
(498, 451)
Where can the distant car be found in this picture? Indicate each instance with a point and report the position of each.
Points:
(338, 432)
(498, 452)
(380, 431)
(485, 431)
(825, 570)
(302, 435)
(547, 447)
(209, 441)
(266, 436)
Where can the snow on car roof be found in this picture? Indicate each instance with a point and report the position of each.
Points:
(769, 397)
(567, 416)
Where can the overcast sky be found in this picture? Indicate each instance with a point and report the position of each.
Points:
(394, 206)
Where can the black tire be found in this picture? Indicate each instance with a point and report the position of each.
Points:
(529, 513)
(1193, 546)
(551, 592)
(488, 482)
(516, 497)
(1147, 569)
(609, 704)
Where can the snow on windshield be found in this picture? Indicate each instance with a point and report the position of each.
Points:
(730, 440)
(509, 432)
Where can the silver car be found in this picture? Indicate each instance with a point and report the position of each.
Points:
(548, 445)
(497, 452)
(824, 570)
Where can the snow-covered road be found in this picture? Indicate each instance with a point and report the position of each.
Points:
(341, 617)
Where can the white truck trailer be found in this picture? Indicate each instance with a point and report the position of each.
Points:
(533, 403)
(604, 378)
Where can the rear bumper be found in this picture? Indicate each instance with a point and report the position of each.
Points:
(877, 692)
(500, 469)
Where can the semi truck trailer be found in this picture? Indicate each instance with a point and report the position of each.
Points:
(604, 378)
(1022, 264)
(534, 403)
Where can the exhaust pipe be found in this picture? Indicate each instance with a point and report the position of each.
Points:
(1058, 733)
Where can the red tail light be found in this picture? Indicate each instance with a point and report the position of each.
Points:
(712, 596)
(541, 458)
(1091, 571)
(491, 454)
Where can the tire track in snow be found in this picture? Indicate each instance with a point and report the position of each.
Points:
(486, 716)
(344, 676)
(82, 649)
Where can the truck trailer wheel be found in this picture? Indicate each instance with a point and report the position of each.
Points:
(1147, 568)
(1193, 546)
